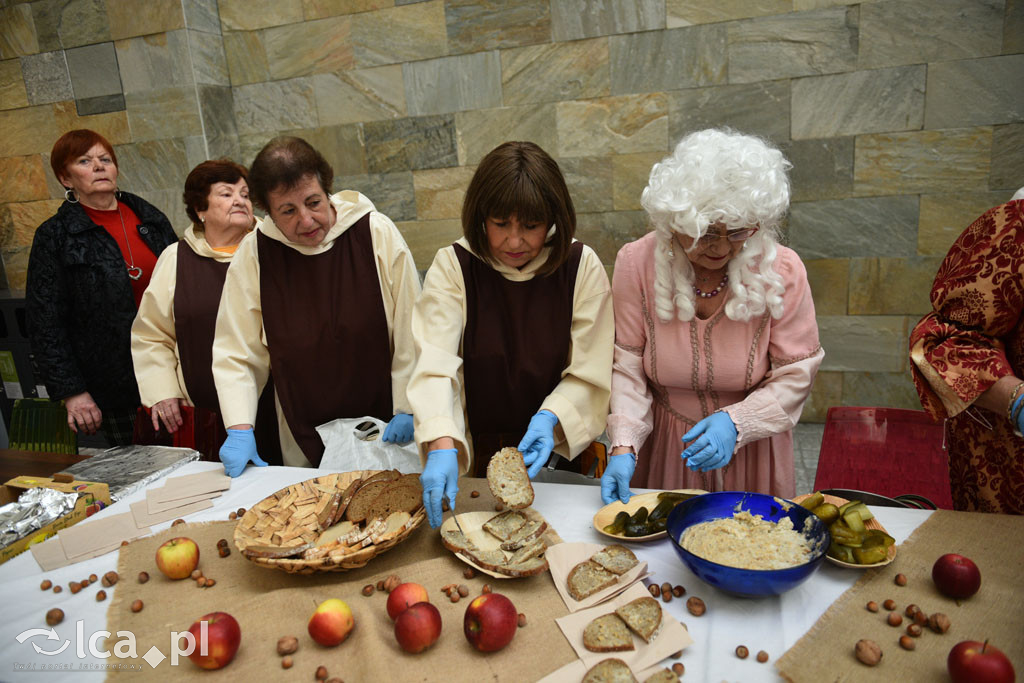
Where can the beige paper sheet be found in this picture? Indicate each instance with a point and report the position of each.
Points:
(89, 536)
(143, 518)
(563, 557)
(155, 507)
(190, 485)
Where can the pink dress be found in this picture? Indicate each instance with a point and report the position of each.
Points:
(668, 376)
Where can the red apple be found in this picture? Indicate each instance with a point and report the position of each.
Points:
(405, 595)
(956, 576)
(491, 622)
(223, 636)
(974, 662)
(331, 622)
(177, 557)
(418, 627)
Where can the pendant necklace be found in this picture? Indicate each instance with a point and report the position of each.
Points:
(714, 292)
(134, 272)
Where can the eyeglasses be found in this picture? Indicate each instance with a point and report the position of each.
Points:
(732, 235)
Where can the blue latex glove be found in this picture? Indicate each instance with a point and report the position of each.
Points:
(539, 440)
(715, 441)
(615, 480)
(1020, 415)
(238, 450)
(399, 430)
(440, 479)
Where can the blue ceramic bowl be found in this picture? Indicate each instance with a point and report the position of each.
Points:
(747, 582)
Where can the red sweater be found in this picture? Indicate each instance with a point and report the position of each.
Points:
(133, 249)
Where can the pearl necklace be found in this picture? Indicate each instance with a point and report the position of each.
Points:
(714, 292)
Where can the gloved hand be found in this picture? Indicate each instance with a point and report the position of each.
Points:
(1019, 412)
(238, 450)
(715, 441)
(399, 430)
(615, 480)
(440, 478)
(539, 440)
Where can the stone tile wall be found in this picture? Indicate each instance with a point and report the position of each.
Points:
(904, 119)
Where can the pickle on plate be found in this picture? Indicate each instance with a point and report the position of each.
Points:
(844, 535)
(657, 525)
(854, 521)
(815, 499)
(637, 524)
(870, 555)
(827, 512)
(618, 524)
(661, 510)
(887, 540)
(841, 552)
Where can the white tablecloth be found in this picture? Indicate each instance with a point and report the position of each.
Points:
(770, 624)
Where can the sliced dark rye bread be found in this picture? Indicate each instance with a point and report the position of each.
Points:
(383, 475)
(412, 479)
(618, 559)
(346, 498)
(529, 531)
(508, 480)
(607, 633)
(609, 671)
(395, 498)
(642, 616)
(505, 524)
(588, 578)
(363, 499)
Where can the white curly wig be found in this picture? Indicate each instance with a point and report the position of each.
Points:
(718, 176)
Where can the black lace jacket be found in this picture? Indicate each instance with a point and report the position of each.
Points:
(80, 304)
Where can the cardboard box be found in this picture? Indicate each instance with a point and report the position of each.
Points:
(92, 497)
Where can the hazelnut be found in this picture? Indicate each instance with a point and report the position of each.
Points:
(914, 630)
(742, 651)
(46, 585)
(868, 652)
(321, 673)
(143, 577)
(85, 583)
(678, 668)
(232, 516)
(463, 590)
(468, 573)
(109, 579)
(101, 596)
(240, 511)
(911, 610)
(57, 589)
(678, 591)
(901, 579)
(380, 585)
(210, 583)
(286, 662)
(177, 522)
(889, 604)
(368, 589)
(454, 597)
(872, 606)
(54, 616)
(137, 606)
(391, 582)
(223, 551)
(655, 591)
(920, 618)
(762, 656)
(696, 606)
(666, 595)
(222, 542)
(448, 588)
(907, 643)
(486, 588)
(894, 619)
(521, 620)
(287, 645)
(474, 494)
(196, 574)
(75, 586)
(666, 587)
(939, 622)
(201, 582)
(498, 507)
(92, 578)
(124, 543)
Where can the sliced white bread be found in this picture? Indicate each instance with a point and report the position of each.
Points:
(588, 578)
(610, 671)
(642, 616)
(508, 480)
(662, 676)
(530, 567)
(618, 559)
(504, 525)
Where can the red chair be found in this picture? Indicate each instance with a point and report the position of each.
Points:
(884, 450)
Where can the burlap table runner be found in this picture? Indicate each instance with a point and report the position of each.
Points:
(269, 604)
(995, 613)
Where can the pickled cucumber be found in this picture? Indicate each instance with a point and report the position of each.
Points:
(815, 499)
(827, 512)
(637, 524)
(869, 555)
(618, 524)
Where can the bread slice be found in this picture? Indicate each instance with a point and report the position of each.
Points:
(588, 578)
(276, 551)
(332, 534)
(488, 559)
(505, 524)
(395, 498)
(607, 633)
(413, 479)
(346, 498)
(529, 531)
(393, 525)
(618, 559)
(383, 475)
(610, 671)
(531, 567)
(643, 617)
(508, 480)
(457, 542)
(663, 676)
(534, 548)
(363, 499)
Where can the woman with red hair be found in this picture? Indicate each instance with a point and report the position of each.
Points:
(89, 265)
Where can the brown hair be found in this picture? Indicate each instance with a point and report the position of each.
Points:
(201, 178)
(282, 163)
(519, 178)
(74, 144)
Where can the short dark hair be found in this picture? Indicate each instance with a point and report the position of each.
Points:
(519, 178)
(282, 163)
(201, 178)
(74, 144)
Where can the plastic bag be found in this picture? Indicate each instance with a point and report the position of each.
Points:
(355, 444)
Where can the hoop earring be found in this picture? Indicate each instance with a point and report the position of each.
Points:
(70, 197)
(118, 194)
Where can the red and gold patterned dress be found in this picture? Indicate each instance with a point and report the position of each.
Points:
(973, 337)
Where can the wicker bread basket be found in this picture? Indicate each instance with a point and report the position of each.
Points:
(291, 520)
